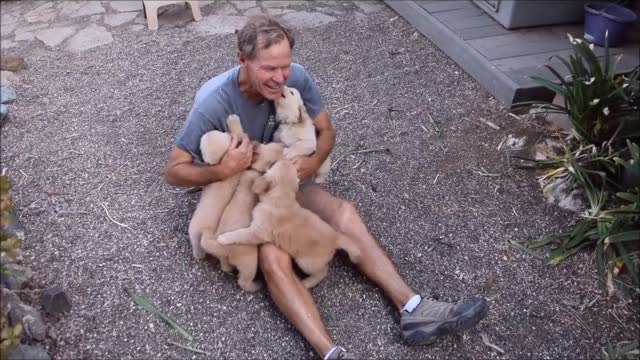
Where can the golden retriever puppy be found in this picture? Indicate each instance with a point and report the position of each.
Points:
(215, 196)
(279, 219)
(296, 130)
(237, 215)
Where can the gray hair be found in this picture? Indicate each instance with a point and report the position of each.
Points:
(260, 32)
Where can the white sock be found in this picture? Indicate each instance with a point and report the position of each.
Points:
(332, 350)
(412, 304)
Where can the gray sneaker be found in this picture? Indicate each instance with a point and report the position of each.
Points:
(433, 319)
(341, 354)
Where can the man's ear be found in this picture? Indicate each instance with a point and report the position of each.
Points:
(260, 185)
(241, 58)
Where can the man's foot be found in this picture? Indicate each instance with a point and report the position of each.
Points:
(433, 319)
(341, 354)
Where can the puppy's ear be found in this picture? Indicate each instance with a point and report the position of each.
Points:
(260, 185)
(304, 115)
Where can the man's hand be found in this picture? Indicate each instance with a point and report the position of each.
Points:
(238, 156)
(307, 166)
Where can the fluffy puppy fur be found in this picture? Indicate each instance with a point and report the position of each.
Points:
(222, 205)
(215, 196)
(279, 219)
(237, 215)
(296, 130)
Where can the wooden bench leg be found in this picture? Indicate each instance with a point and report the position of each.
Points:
(195, 10)
(151, 12)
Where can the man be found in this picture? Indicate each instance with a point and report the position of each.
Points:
(248, 90)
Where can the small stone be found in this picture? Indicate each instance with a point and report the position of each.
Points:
(29, 317)
(7, 94)
(16, 276)
(8, 78)
(55, 300)
(11, 63)
(28, 352)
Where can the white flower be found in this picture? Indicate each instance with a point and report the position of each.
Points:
(590, 81)
(591, 47)
(625, 85)
(571, 39)
(594, 102)
(606, 111)
(578, 41)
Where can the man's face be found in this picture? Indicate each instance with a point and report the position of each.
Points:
(269, 70)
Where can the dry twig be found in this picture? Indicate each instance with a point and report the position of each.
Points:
(485, 340)
(110, 218)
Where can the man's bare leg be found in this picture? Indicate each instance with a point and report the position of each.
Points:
(374, 262)
(292, 298)
(423, 321)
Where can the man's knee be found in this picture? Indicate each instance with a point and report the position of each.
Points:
(347, 214)
(273, 261)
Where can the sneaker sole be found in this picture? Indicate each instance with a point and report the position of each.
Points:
(462, 322)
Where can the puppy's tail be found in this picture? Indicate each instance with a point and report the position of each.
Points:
(350, 247)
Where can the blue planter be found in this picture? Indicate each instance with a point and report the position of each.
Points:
(602, 17)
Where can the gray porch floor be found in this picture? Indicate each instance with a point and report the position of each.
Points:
(499, 59)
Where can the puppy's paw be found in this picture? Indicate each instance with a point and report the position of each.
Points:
(198, 253)
(234, 124)
(224, 240)
(250, 286)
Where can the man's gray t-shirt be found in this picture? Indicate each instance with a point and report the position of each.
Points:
(220, 97)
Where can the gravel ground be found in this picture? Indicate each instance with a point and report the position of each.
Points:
(90, 134)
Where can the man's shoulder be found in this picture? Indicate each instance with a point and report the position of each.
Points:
(298, 75)
(217, 89)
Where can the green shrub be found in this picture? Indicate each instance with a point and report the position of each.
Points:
(9, 335)
(603, 109)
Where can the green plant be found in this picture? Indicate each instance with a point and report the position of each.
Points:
(9, 335)
(597, 101)
(611, 224)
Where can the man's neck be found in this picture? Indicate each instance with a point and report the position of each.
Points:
(246, 89)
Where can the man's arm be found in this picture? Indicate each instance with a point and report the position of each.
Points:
(309, 165)
(181, 171)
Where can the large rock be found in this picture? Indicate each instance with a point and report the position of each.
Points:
(218, 24)
(28, 352)
(11, 63)
(124, 6)
(8, 299)
(16, 276)
(32, 324)
(82, 8)
(4, 112)
(7, 94)
(120, 18)
(303, 19)
(54, 36)
(55, 300)
(88, 38)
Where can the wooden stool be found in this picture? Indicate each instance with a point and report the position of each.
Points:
(151, 10)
